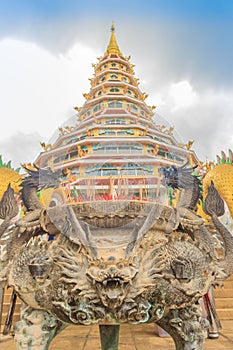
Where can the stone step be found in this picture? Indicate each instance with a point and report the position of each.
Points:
(224, 303)
(223, 293)
(7, 296)
(225, 314)
(5, 307)
(227, 284)
(224, 300)
(16, 316)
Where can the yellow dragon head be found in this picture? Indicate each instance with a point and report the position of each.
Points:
(222, 176)
(9, 175)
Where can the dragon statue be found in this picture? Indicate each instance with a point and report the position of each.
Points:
(113, 262)
(222, 176)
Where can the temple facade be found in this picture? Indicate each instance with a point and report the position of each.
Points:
(116, 147)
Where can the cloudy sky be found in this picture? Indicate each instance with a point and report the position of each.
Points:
(182, 49)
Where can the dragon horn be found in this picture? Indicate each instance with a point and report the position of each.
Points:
(35, 166)
(230, 156)
(184, 165)
(224, 157)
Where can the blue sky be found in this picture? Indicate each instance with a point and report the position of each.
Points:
(181, 8)
(202, 27)
(182, 49)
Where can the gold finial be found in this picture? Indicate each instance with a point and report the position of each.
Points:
(46, 147)
(187, 145)
(78, 109)
(112, 46)
(152, 107)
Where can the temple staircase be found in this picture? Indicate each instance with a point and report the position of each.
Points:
(224, 300)
(7, 296)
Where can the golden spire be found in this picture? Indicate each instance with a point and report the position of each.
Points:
(112, 46)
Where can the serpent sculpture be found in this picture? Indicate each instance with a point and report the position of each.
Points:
(222, 176)
(114, 262)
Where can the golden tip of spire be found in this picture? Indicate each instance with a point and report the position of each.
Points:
(112, 46)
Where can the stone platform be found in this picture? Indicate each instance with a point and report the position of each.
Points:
(139, 337)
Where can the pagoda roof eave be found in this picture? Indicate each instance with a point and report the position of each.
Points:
(116, 82)
(103, 72)
(124, 97)
(116, 139)
(152, 161)
(120, 58)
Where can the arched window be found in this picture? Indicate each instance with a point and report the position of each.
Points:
(111, 104)
(114, 104)
(114, 76)
(134, 107)
(96, 108)
(110, 132)
(114, 89)
(118, 104)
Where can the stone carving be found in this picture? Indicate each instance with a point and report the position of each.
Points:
(187, 327)
(152, 267)
(36, 329)
(8, 208)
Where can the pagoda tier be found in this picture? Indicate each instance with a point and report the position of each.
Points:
(115, 147)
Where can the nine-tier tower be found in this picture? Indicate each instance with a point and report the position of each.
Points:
(115, 149)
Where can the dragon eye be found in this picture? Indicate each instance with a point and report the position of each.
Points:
(102, 266)
(120, 266)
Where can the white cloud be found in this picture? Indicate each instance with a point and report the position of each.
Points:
(204, 116)
(38, 90)
(182, 95)
(20, 148)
